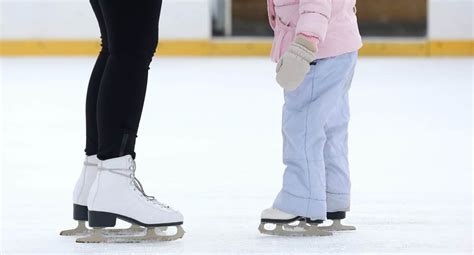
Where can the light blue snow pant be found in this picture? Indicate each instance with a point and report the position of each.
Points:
(315, 121)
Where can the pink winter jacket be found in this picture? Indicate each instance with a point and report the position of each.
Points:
(332, 24)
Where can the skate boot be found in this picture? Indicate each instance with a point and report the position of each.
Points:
(116, 193)
(80, 194)
(336, 225)
(289, 225)
(81, 191)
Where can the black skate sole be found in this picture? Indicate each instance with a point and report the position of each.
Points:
(99, 219)
(336, 215)
(287, 221)
(263, 220)
(80, 212)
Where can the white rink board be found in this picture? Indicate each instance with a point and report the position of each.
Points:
(182, 19)
(210, 145)
(74, 19)
(450, 19)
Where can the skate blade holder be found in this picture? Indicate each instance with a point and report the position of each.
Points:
(102, 235)
(337, 225)
(82, 230)
(296, 229)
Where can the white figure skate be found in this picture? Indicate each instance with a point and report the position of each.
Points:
(289, 225)
(336, 218)
(80, 194)
(116, 193)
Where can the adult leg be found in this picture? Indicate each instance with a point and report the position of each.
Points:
(89, 169)
(92, 139)
(132, 29)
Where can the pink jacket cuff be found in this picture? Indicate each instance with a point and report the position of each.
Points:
(312, 39)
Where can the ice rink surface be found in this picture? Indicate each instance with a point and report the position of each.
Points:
(210, 145)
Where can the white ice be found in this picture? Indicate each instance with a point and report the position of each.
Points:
(210, 145)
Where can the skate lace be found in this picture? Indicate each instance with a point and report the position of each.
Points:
(136, 183)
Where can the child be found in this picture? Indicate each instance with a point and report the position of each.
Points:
(315, 45)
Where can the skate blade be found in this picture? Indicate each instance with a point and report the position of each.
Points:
(132, 230)
(302, 226)
(98, 236)
(82, 230)
(338, 226)
(288, 230)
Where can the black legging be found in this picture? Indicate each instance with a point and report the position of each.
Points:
(116, 92)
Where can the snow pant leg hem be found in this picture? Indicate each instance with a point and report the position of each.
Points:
(299, 206)
(338, 202)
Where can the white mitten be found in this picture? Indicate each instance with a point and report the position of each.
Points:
(295, 63)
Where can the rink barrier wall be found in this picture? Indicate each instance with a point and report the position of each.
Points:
(69, 28)
(420, 48)
(74, 20)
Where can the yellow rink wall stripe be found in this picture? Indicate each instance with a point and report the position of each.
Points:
(232, 48)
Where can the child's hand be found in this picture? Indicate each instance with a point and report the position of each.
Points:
(295, 63)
